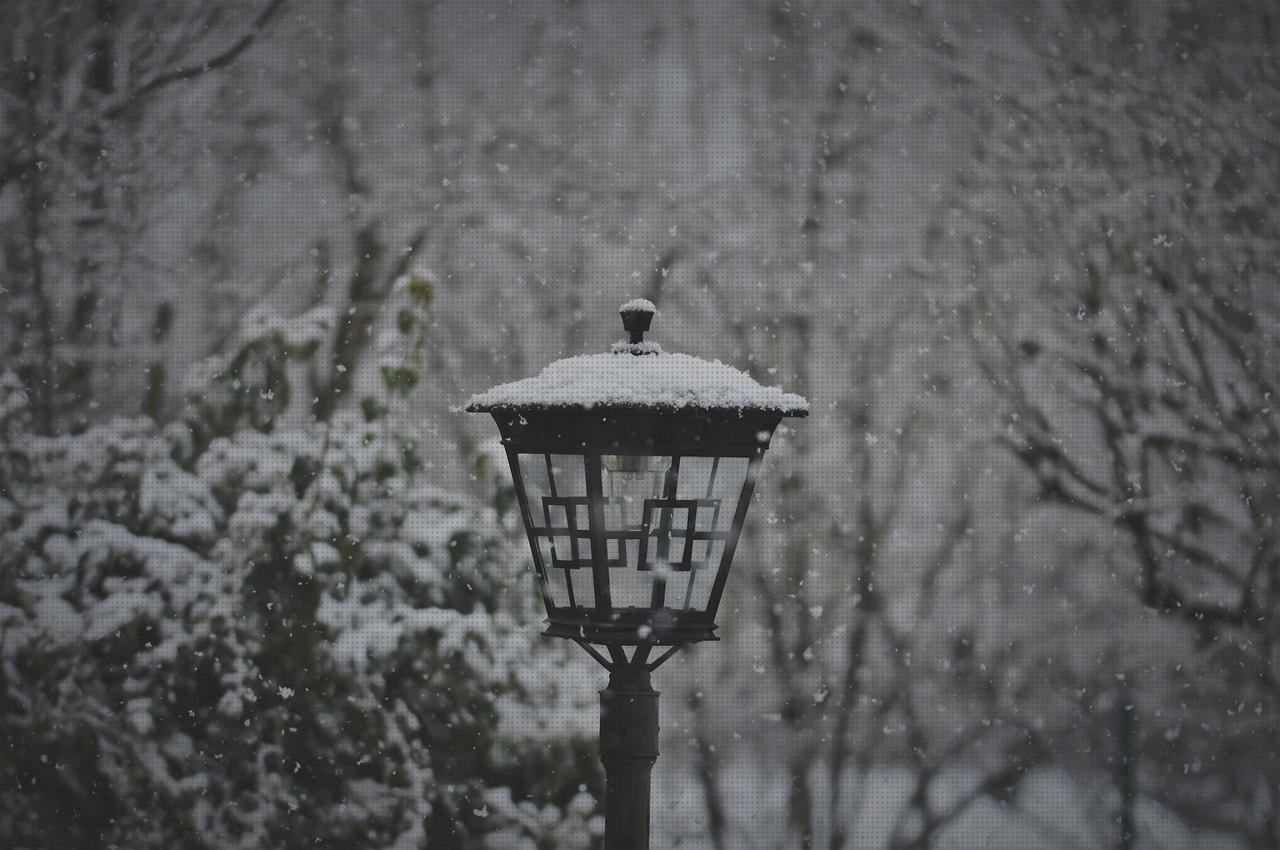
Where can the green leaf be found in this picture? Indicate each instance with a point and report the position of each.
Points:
(405, 321)
(399, 379)
(421, 289)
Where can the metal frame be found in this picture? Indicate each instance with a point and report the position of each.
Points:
(635, 431)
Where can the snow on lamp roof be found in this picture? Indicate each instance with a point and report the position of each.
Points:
(626, 380)
(639, 374)
(638, 305)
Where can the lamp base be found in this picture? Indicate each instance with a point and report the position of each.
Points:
(631, 626)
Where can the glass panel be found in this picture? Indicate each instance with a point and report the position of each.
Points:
(693, 589)
(555, 487)
(627, 481)
(533, 470)
(715, 485)
(731, 474)
(557, 519)
(666, 540)
(696, 476)
(533, 475)
(570, 475)
(584, 589)
(631, 588)
(556, 580)
(678, 512)
(697, 481)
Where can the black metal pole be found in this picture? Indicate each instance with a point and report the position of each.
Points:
(628, 748)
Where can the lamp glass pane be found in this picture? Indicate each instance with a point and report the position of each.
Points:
(584, 588)
(570, 475)
(667, 522)
(537, 482)
(715, 484)
(557, 580)
(558, 525)
(630, 483)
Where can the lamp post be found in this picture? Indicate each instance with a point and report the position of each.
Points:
(634, 470)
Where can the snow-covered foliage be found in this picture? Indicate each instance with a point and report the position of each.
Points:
(233, 632)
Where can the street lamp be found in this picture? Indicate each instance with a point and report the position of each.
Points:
(634, 470)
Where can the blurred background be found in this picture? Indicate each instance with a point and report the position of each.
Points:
(1012, 584)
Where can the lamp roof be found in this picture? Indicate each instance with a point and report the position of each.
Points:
(638, 375)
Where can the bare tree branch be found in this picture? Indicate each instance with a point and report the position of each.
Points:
(191, 72)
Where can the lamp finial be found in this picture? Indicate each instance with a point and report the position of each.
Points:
(637, 314)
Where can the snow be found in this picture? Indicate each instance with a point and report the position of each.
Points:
(658, 380)
(638, 305)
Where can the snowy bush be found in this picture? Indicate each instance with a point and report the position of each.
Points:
(252, 629)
